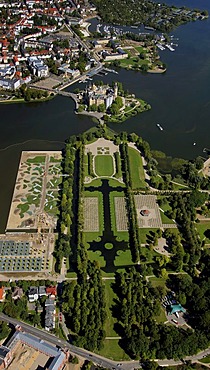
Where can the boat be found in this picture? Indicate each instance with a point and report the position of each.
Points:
(159, 126)
(170, 47)
(160, 46)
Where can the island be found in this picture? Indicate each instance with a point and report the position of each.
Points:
(109, 103)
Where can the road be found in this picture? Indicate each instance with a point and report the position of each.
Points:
(97, 359)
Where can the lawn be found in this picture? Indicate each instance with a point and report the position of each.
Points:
(145, 234)
(155, 281)
(91, 236)
(112, 350)
(123, 258)
(165, 219)
(38, 159)
(136, 169)
(205, 360)
(104, 165)
(201, 228)
(96, 256)
(115, 183)
(95, 182)
(161, 318)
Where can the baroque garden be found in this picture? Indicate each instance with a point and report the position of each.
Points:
(137, 251)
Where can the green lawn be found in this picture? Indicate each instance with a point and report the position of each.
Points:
(161, 318)
(91, 236)
(201, 228)
(165, 219)
(96, 256)
(104, 165)
(95, 182)
(140, 49)
(112, 350)
(144, 234)
(155, 281)
(136, 169)
(123, 258)
(37, 159)
(115, 183)
(205, 360)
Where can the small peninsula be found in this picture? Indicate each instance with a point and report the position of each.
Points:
(110, 103)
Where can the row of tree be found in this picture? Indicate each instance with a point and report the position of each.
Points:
(134, 241)
(84, 308)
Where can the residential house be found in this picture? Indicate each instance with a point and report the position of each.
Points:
(51, 291)
(33, 294)
(50, 314)
(42, 291)
(2, 294)
(17, 294)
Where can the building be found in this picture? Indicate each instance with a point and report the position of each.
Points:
(50, 314)
(8, 84)
(37, 66)
(67, 71)
(5, 357)
(17, 294)
(98, 95)
(2, 294)
(56, 358)
(33, 294)
(42, 291)
(51, 291)
(176, 308)
(145, 212)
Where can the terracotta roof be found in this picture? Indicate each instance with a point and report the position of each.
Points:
(1, 293)
(51, 290)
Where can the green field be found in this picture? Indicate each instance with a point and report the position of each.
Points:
(165, 219)
(205, 360)
(123, 258)
(136, 169)
(201, 228)
(161, 318)
(96, 256)
(104, 165)
(112, 350)
(145, 234)
(37, 159)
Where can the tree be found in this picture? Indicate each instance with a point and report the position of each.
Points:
(102, 108)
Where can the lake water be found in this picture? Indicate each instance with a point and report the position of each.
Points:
(180, 101)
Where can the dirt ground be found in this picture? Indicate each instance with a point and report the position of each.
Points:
(27, 358)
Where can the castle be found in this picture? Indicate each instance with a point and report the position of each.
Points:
(100, 95)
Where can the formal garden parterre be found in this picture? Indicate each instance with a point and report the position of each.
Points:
(146, 261)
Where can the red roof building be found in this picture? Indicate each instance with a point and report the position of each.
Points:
(51, 290)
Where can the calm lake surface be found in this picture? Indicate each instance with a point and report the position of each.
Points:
(180, 101)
